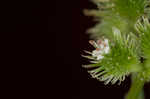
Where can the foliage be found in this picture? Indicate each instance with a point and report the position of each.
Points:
(126, 24)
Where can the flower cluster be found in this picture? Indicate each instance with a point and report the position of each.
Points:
(102, 47)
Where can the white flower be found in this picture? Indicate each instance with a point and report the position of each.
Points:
(102, 47)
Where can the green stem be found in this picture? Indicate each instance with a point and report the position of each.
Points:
(136, 89)
(141, 96)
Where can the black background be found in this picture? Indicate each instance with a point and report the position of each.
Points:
(44, 42)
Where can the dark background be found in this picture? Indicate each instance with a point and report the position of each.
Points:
(35, 33)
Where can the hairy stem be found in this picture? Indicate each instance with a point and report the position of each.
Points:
(136, 90)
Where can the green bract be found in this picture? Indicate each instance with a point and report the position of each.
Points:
(122, 14)
(143, 28)
(126, 24)
(120, 62)
(131, 9)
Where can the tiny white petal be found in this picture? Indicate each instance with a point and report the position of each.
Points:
(107, 50)
(102, 46)
(106, 41)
